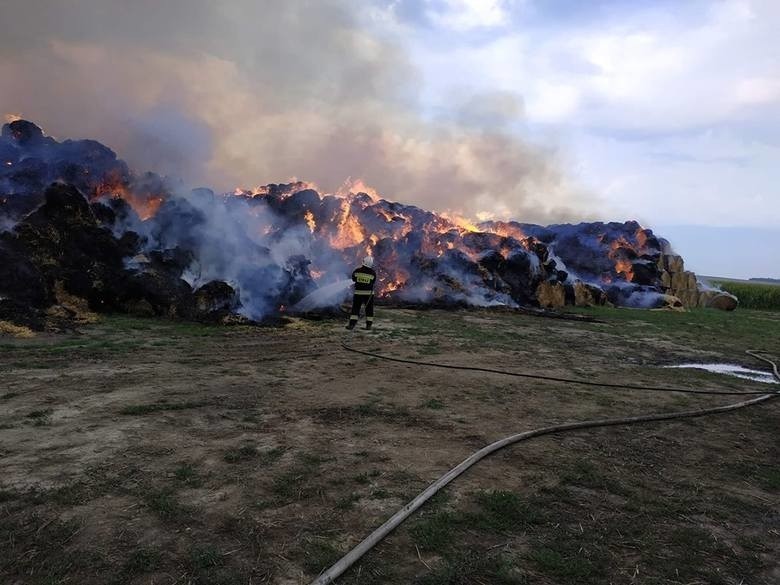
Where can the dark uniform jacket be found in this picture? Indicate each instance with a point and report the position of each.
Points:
(364, 279)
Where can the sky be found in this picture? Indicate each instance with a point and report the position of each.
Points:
(667, 112)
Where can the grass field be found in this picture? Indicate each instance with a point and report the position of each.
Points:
(753, 295)
(147, 451)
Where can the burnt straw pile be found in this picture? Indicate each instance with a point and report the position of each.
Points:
(80, 232)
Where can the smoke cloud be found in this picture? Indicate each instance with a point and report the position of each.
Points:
(246, 92)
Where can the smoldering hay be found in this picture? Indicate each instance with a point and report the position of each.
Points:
(79, 224)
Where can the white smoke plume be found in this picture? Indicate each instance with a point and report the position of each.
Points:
(235, 241)
(245, 92)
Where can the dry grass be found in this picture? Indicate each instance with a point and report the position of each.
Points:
(137, 450)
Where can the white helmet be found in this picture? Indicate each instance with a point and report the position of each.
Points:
(368, 262)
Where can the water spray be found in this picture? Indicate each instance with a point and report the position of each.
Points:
(326, 296)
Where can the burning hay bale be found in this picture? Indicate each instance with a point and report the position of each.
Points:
(58, 265)
(143, 244)
(30, 161)
(62, 242)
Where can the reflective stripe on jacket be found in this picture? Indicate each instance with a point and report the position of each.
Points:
(364, 279)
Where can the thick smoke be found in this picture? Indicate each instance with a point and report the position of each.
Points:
(234, 241)
(244, 93)
(183, 251)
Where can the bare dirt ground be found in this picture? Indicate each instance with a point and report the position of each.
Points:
(147, 451)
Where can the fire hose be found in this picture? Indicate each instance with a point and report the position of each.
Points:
(548, 378)
(380, 533)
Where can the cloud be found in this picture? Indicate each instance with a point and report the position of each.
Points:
(644, 70)
(759, 91)
(714, 178)
(242, 93)
(463, 15)
(615, 86)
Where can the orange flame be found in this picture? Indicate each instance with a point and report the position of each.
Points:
(389, 287)
(343, 230)
(309, 217)
(145, 206)
(349, 232)
(623, 265)
(625, 268)
(149, 207)
(506, 230)
(354, 186)
(460, 222)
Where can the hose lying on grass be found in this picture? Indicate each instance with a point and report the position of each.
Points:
(550, 378)
(377, 535)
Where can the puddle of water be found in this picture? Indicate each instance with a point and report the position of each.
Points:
(732, 370)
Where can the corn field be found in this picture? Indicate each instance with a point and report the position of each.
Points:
(753, 295)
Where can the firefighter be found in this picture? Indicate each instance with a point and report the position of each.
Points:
(364, 278)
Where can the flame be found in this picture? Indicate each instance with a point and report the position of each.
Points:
(309, 217)
(506, 230)
(359, 226)
(145, 205)
(625, 268)
(387, 215)
(436, 244)
(349, 232)
(352, 187)
(149, 207)
(390, 287)
(617, 253)
(641, 237)
(505, 251)
(461, 222)
(291, 188)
